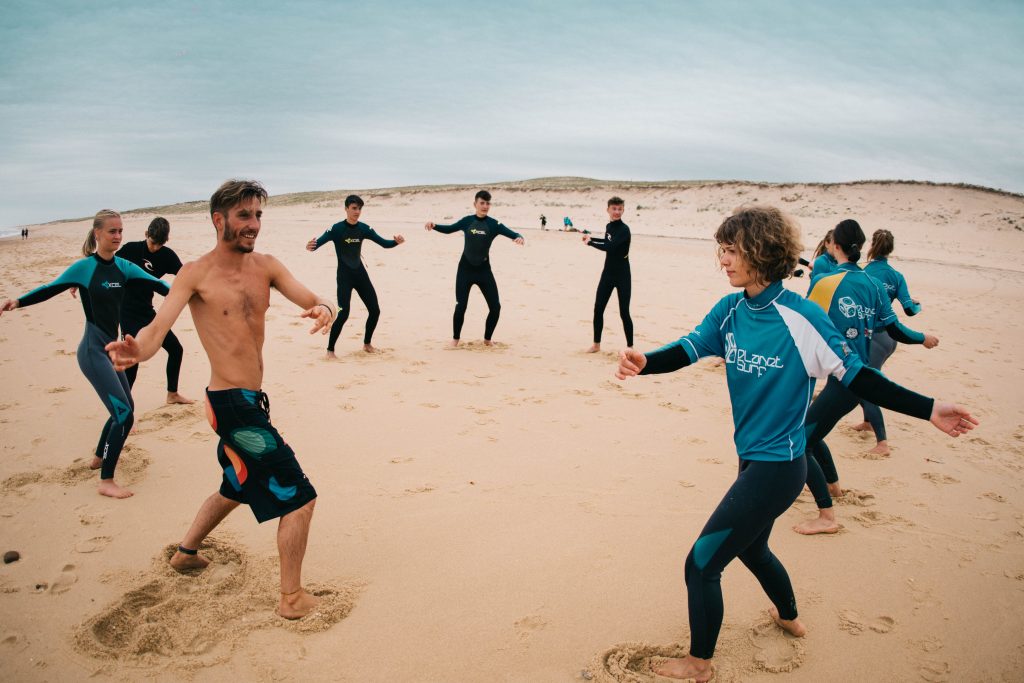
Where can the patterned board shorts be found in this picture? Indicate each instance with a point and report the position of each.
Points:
(260, 469)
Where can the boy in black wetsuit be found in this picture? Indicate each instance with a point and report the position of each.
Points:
(615, 275)
(475, 265)
(137, 310)
(348, 236)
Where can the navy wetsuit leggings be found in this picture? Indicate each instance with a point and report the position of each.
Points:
(175, 352)
(481, 276)
(113, 390)
(621, 281)
(740, 527)
(882, 346)
(358, 280)
(834, 401)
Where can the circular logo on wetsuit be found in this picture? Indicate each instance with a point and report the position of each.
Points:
(851, 333)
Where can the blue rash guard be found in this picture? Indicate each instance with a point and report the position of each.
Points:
(101, 287)
(895, 284)
(823, 265)
(857, 306)
(480, 233)
(775, 346)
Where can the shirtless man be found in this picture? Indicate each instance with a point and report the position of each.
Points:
(228, 292)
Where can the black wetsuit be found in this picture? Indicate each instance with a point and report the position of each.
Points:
(352, 275)
(137, 308)
(101, 287)
(475, 268)
(616, 275)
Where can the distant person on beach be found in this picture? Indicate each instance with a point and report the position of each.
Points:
(156, 258)
(348, 236)
(101, 279)
(775, 344)
(857, 306)
(228, 293)
(882, 345)
(543, 222)
(567, 224)
(479, 231)
(615, 275)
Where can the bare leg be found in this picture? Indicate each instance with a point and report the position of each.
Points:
(173, 397)
(793, 627)
(292, 534)
(693, 668)
(594, 348)
(211, 513)
(825, 523)
(109, 488)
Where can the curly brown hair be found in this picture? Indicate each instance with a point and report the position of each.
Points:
(882, 244)
(766, 238)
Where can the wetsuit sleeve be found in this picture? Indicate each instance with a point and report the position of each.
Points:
(873, 386)
(903, 334)
(78, 275)
(324, 238)
(804, 262)
(704, 341)
(454, 227)
(135, 274)
(174, 264)
(910, 307)
(371, 234)
(507, 232)
(599, 243)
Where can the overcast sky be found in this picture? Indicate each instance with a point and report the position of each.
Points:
(118, 105)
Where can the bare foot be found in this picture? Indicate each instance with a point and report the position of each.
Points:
(331, 356)
(109, 488)
(791, 626)
(693, 668)
(181, 562)
(862, 427)
(819, 525)
(488, 342)
(173, 397)
(881, 448)
(835, 490)
(453, 343)
(594, 348)
(97, 462)
(296, 605)
(369, 348)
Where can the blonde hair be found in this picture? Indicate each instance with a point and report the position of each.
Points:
(89, 247)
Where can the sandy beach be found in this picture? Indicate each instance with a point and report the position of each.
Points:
(515, 513)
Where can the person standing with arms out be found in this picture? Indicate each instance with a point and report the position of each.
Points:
(348, 236)
(480, 231)
(228, 293)
(156, 258)
(857, 307)
(775, 344)
(616, 274)
(882, 345)
(100, 278)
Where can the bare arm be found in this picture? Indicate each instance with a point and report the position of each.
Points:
(132, 350)
(313, 306)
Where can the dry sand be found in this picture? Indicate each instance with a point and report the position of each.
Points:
(515, 513)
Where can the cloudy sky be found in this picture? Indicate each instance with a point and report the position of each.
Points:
(127, 104)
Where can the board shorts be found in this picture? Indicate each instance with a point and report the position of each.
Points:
(260, 469)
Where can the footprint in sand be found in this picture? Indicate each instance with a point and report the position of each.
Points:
(198, 619)
(58, 390)
(13, 642)
(776, 651)
(630, 662)
(64, 581)
(871, 518)
(426, 488)
(992, 495)
(93, 545)
(934, 670)
(400, 461)
(854, 623)
(528, 625)
(937, 478)
(673, 406)
(855, 497)
(709, 461)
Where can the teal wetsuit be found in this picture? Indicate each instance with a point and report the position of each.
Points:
(822, 265)
(101, 288)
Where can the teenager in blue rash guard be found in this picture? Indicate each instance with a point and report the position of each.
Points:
(348, 236)
(480, 231)
(616, 273)
(857, 305)
(823, 261)
(101, 278)
(882, 345)
(775, 344)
